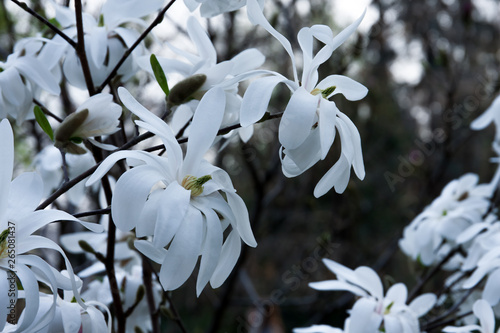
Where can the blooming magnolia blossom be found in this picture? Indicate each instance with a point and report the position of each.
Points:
(373, 308)
(204, 62)
(484, 313)
(106, 40)
(97, 116)
(24, 74)
(178, 202)
(433, 233)
(310, 120)
(18, 201)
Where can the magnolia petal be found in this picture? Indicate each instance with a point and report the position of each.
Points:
(318, 329)
(229, 256)
(370, 281)
(13, 88)
(26, 191)
(183, 252)
(327, 119)
(4, 297)
(203, 130)
(30, 286)
(347, 128)
(342, 272)
(392, 324)
(242, 220)
(298, 118)
(483, 311)
(338, 285)
(149, 214)
(462, 329)
(34, 70)
(40, 218)
(256, 99)
(337, 177)
(130, 195)
(153, 253)
(6, 164)
(256, 16)
(352, 90)
(491, 292)
(364, 318)
(97, 42)
(140, 111)
(211, 250)
(200, 38)
(423, 304)
(246, 61)
(397, 293)
(347, 32)
(478, 275)
(487, 117)
(174, 205)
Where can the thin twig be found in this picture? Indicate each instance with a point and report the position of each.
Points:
(42, 19)
(46, 111)
(148, 284)
(436, 322)
(103, 211)
(80, 48)
(129, 51)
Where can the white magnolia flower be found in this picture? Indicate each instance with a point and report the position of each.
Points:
(204, 62)
(97, 116)
(310, 120)
(130, 282)
(210, 8)
(22, 77)
(178, 201)
(18, 222)
(373, 308)
(484, 313)
(433, 233)
(106, 39)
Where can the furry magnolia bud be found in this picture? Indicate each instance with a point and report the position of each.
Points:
(184, 90)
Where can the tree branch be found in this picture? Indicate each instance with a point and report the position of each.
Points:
(80, 48)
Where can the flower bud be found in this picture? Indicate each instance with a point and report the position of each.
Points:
(183, 91)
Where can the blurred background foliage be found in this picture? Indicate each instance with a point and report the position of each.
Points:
(431, 67)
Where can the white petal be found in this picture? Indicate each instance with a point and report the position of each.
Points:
(200, 38)
(242, 220)
(347, 128)
(153, 253)
(247, 60)
(338, 285)
(131, 103)
(130, 195)
(204, 127)
(6, 164)
(26, 192)
(174, 205)
(298, 118)
(487, 117)
(337, 176)
(229, 256)
(370, 281)
(318, 329)
(491, 292)
(483, 311)
(423, 304)
(363, 316)
(211, 250)
(32, 69)
(4, 296)
(98, 40)
(30, 287)
(344, 85)
(256, 99)
(183, 252)
(347, 32)
(327, 119)
(256, 16)
(397, 293)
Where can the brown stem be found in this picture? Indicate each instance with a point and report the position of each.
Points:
(80, 48)
(148, 284)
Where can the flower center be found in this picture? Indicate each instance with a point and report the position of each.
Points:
(195, 185)
(324, 92)
(3, 243)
